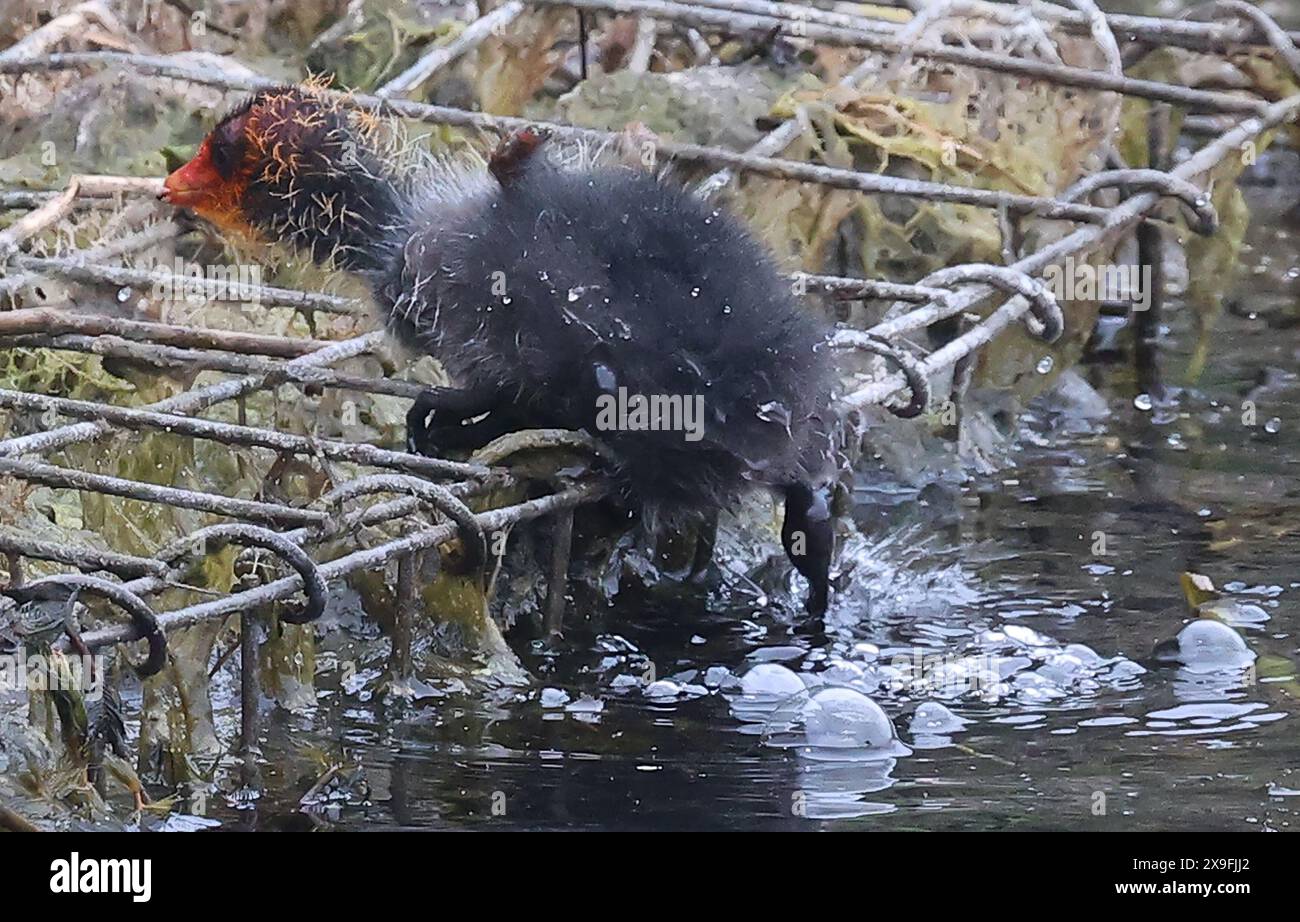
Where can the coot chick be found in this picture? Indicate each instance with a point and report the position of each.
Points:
(588, 297)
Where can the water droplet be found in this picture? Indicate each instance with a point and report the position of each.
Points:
(1273, 426)
(774, 412)
(1046, 364)
(123, 295)
(1143, 402)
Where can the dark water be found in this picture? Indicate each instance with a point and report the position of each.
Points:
(1095, 736)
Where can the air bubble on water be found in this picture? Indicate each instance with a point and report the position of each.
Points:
(883, 676)
(123, 295)
(664, 688)
(1032, 688)
(1234, 612)
(1025, 636)
(932, 718)
(187, 822)
(770, 680)
(554, 697)
(1085, 654)
(1045, 365)
(1063, 669)
(717, 676)
(841, 722)
(1242, 614)
(1143, 402)
(866, 651)
(1206, 645)
(1204, 713)
(1007, 666)
(585, 708)
(842, 672)
(668, 690)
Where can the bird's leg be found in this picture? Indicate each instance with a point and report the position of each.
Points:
(436, 420)
(473, 436)
(706, 538)
(809, 537)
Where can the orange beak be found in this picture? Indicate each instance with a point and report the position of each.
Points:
(194, 184)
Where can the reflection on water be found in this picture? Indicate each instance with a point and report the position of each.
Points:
(993, 666)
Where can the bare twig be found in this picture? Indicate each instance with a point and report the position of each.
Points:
(437, 58)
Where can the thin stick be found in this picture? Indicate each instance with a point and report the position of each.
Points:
(434, 60)
(51, 321)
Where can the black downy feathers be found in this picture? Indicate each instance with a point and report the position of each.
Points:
(571, 297)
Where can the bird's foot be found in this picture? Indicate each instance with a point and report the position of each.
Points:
(808, 534)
